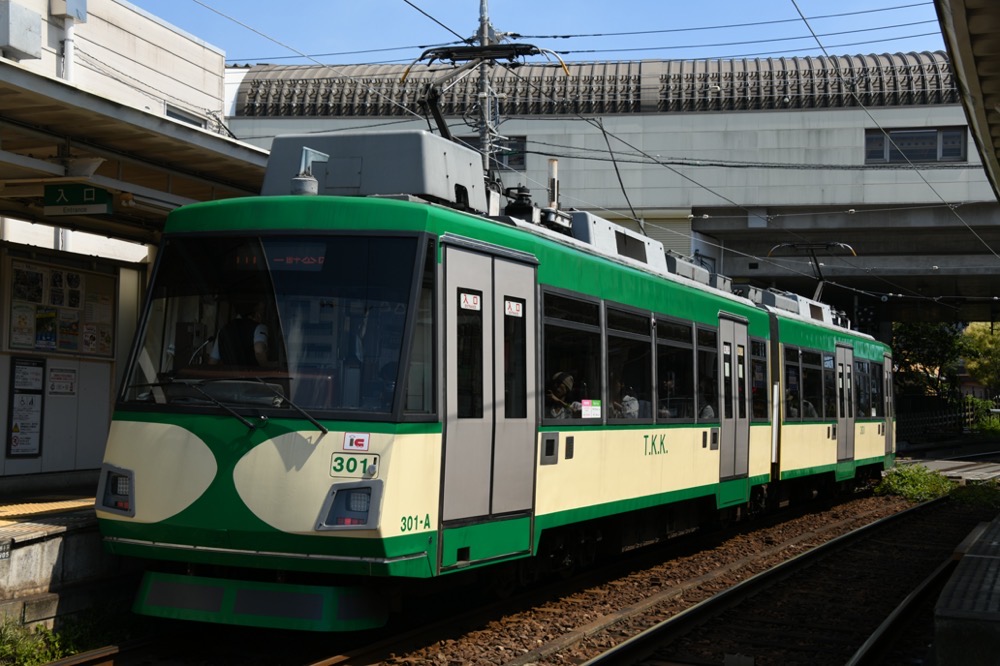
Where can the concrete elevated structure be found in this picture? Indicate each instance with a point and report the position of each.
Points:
(779, 172)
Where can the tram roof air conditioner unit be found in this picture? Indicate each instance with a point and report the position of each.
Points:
(615, 240)
(411, 162)
(681, 265)
(782, 300)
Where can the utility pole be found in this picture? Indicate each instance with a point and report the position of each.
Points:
(485, 134)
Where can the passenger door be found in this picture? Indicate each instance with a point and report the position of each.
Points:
(489, 346)
(734, 369)
(889, 406)
(845, 403)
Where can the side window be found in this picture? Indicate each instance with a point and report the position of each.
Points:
(419, 396)
(812, 385)
(829, 386)
(674, 370)
(708, 381)
(630, 368)
(470, 353)
(863, 388)
(793, 384)
(759, 388)
(515, 363)
(571, 349)
(878, 396)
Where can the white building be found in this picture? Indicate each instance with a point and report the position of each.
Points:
(108, 120)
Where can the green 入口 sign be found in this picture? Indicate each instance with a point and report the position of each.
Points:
(76, 199)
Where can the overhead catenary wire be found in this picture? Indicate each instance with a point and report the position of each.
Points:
(625, 143)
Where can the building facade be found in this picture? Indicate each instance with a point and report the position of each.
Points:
(852, 177)
(109, 118)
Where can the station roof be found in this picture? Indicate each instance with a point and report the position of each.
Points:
(971, 30)
(54, 135)
(645, 86)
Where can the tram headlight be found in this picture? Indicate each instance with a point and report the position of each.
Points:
(351, 506)
(116, 490)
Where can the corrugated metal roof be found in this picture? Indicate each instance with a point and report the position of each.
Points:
(648, 86)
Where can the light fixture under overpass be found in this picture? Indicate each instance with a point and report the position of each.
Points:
(146, 204)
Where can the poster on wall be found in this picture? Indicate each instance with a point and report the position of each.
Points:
(55, 309)
(25, 407)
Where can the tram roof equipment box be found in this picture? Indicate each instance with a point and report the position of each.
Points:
(408, 162)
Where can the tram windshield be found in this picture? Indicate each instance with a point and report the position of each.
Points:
(314, 323)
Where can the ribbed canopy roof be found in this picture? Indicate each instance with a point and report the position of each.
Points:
(648, 86)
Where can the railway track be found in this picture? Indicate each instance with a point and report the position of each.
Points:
(568, 622)
(576, 624)
(844, 602)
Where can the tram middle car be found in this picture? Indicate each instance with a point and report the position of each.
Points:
(441, 391)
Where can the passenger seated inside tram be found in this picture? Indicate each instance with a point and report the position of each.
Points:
(558, 398)
(808, 411)
(791, 404)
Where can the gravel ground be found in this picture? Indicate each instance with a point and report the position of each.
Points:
(516, 639)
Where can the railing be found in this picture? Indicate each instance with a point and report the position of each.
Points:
(928, 425)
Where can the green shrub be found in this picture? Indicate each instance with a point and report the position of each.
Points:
(984, 421)
(915, 483)
(979, 495)
(24, 646)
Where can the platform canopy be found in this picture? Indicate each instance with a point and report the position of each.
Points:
(75, 160)
(971, 30)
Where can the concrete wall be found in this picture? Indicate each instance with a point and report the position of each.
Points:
(705, 157)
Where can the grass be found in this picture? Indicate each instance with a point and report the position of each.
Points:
(32, 646)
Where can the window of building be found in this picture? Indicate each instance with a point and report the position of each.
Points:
(185, 117)
(510, 150)
(900, 146)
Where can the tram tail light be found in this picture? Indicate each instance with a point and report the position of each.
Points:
(116, 491)
(352, 505)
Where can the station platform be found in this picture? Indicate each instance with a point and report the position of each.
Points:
(52, 564)
(967, 613)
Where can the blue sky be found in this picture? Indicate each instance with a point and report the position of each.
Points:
(369, 31)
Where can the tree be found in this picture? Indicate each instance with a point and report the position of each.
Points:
(982, 355)
(926, 357)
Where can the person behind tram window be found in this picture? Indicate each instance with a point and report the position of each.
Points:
(707, 396)
(668, 391)
(243, 341)
(624, 403)
(559, 403)
(808, 411)
(792, 404)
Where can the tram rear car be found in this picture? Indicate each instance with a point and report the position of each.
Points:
(447, 392)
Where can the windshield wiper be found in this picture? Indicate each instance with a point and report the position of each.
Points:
(218, 403)
(291, 404)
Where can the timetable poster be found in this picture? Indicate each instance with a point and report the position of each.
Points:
(24, 421)
(55, 309)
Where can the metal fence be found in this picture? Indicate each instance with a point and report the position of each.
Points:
(929, 424)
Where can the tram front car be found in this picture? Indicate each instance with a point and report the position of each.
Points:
(256, 488)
